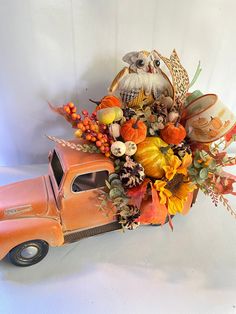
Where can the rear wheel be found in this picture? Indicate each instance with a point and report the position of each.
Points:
(28, 253)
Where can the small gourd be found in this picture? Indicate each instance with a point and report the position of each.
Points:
(114, 130)
(118, 148)
(134, 130)
(153, 154)
(131, 148)
(107, 102)
(173, 133)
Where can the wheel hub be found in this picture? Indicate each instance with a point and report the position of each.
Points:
(29, 252)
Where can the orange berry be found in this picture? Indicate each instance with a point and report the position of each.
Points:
(88, 137)
(107, 154)
(87, 127)
(85, 122)
(71, 105)
(74, 116)
(78, 116)
(73, 110)
(100, 135)
(67, 109)
(98, 143)
(83, 128)
(80, 125)
(102, 148)
(93, 139)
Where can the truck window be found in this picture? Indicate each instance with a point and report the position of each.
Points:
(89, 181)
(57, 168)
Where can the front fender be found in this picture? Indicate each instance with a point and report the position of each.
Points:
(16, 231)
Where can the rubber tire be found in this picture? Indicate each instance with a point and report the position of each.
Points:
(17, 259)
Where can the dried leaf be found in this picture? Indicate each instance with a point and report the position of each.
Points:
(137, 194)
(86, 148)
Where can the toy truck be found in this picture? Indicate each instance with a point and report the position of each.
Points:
(55, 209)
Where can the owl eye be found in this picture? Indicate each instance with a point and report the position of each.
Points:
(156, 63)
(139, 63)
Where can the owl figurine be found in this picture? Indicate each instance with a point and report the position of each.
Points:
(142, 82)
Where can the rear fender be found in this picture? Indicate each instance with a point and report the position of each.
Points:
(16, 231)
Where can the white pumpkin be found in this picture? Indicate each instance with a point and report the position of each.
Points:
(131, 148)
(118, 148)
(114, 130)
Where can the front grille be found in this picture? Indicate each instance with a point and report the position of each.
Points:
(78, 235)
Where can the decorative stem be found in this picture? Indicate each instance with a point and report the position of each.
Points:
(95, 102)
(135, 125)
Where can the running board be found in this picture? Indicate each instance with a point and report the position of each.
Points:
(78, 235)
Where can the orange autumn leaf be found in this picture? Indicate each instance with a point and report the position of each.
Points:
(154, 212)
(159, 210)
(137, 193)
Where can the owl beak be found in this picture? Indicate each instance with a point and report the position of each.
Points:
(150, 68)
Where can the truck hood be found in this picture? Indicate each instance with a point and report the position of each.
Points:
(27, 198)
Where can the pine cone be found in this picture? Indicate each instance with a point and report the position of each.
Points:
(132, 173)
(161, 113)
(127, 217)
(128, 113)
(181, 149)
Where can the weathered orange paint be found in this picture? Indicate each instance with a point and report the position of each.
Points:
(38, 209)
(16, 231)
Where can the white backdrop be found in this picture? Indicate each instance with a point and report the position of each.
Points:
(61, 50)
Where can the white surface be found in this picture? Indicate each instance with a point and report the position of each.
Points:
(149, 270)
(61, 50)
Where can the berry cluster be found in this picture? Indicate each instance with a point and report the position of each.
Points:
(89, 128)
(71, 112)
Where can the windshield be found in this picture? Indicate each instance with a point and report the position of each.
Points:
(57, 168)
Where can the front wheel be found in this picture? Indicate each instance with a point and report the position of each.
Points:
(28, 253)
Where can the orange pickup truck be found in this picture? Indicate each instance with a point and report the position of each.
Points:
(55, 209)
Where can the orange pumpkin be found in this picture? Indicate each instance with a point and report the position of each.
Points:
(133, 130)
(107, 102)
(173, 134)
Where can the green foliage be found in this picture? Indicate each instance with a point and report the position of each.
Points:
(114, 194)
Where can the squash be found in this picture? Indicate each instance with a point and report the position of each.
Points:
(153, 154)
(107, 102)
(133, 130)
(173, 133)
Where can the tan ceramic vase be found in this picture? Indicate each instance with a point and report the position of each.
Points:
(208, 119)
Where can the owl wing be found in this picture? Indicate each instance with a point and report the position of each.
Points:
(129, 96)
(116, 80)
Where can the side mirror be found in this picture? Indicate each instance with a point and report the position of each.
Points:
(62, 194)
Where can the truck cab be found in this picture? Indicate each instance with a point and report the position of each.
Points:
(55, 209)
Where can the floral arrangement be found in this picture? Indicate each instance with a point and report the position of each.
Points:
(165, 142)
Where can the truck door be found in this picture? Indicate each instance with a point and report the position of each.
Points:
(80, 204)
